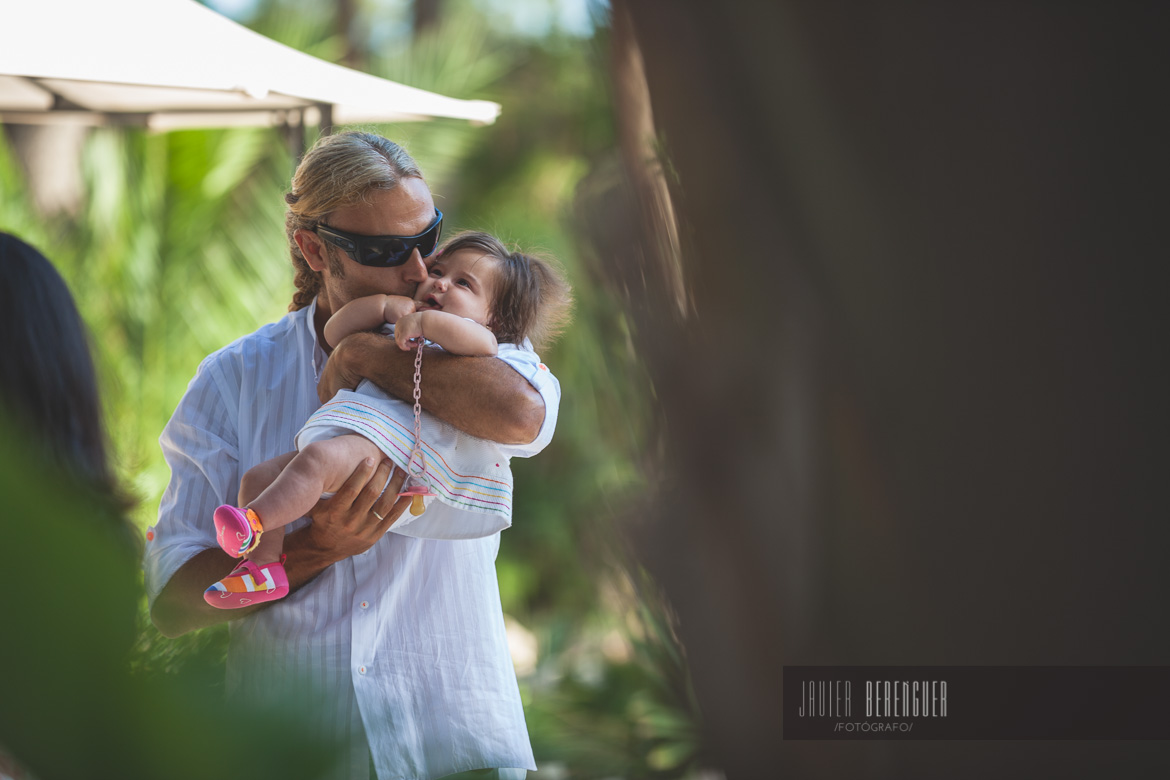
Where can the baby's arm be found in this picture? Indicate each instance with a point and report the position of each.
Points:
(366, 313)
(455, 334)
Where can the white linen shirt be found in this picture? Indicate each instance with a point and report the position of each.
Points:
(402, 646)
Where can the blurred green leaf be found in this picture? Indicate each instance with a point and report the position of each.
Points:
(69, 707)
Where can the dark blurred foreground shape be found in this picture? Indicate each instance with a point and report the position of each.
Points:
(69, 706)
(919, 414)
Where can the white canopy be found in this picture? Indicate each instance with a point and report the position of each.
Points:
(170, 64)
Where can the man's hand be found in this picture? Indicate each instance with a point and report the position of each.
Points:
(340, 372)
(360, 513)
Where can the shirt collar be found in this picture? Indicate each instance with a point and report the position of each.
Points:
(319, 356)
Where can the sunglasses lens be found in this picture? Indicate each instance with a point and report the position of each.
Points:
(391, 252)
(386, 252)
(429, 240)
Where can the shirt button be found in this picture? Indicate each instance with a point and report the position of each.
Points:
(361, 670)
(365, 604)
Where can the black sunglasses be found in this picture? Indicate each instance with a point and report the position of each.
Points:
(384, 251)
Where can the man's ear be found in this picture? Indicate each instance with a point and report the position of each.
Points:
(313, 249)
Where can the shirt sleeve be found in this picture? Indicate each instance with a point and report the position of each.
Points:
(527, 363)
(200, 446)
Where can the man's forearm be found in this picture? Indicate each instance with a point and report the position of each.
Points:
(484, 397)
(180, 607)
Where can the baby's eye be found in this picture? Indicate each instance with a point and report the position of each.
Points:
(464, 283)
(434, 271)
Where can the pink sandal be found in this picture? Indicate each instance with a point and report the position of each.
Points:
(249, 584)
(238, 531)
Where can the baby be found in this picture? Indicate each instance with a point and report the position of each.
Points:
(479, 299)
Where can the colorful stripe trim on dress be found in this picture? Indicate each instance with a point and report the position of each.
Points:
(464, 491)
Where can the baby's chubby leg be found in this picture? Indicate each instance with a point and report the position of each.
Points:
(328, 463)
(254, 482)
(320, 467)
(259, 477)
(269, 548)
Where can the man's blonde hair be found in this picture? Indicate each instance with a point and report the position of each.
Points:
(338, 172)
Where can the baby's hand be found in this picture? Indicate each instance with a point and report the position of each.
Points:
(396, 307)
(408, 331)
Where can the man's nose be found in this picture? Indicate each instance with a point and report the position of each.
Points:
(414, 270)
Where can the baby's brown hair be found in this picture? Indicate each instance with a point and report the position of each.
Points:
(532, 298)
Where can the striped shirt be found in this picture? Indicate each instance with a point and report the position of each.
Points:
(400, 650)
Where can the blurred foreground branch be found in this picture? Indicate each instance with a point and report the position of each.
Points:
(918, 418)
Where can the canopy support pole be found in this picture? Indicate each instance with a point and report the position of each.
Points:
(325, 124)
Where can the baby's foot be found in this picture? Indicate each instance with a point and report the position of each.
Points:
(237, 530)
(249, 584)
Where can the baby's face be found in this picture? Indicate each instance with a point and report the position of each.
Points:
(460, 283)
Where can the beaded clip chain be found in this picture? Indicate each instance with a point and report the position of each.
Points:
(416, 484)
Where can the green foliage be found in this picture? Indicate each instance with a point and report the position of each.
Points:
(69, 706)
(615, 699)
(178, 250)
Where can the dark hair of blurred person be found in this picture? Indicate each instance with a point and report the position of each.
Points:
(48, 386)
(51, 420)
